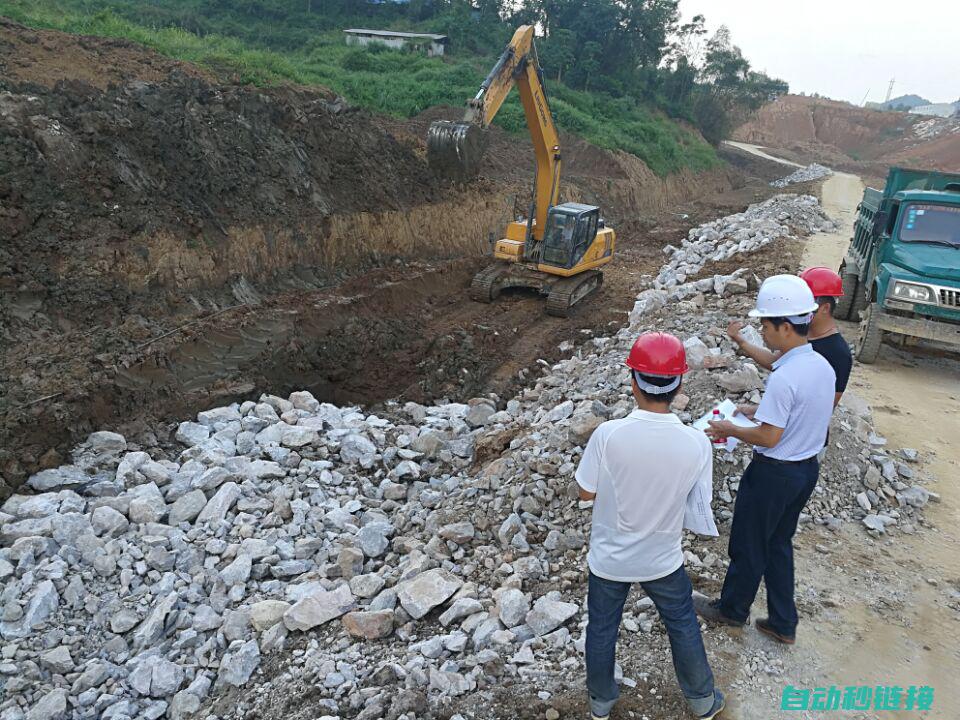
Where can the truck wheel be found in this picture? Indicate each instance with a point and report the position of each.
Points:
(845, 302)
(859, 303)
(871, 336)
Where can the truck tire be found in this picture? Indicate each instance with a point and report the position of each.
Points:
(871, 336)
(859, 304)
(845, 302)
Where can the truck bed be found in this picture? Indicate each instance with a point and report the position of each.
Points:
(903, 179)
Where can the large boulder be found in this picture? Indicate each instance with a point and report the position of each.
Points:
(547, 615)
(426, 591)
(319, 608)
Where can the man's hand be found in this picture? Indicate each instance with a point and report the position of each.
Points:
(720, 429)
(733, 330)
(764, 435)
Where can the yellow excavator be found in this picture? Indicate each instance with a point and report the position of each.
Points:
(559, 248)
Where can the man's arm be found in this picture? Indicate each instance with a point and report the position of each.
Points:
(772, 415)
(588, 471)
(763, 357)
(836, 399)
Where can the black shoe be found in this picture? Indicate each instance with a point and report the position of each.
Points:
(710, 611)
(763, 625)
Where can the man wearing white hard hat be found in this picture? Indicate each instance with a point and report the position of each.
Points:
(793, 418)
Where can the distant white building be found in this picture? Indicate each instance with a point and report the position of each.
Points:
(433, 44)
(938, 109)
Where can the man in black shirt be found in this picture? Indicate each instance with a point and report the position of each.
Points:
(824, 335)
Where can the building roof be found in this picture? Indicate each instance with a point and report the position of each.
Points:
(391, 33)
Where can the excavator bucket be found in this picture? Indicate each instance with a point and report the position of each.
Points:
(455, 149)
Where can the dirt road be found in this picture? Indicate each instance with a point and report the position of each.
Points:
(897, 620)
(758, 151)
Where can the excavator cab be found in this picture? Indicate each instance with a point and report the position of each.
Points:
(571, 230)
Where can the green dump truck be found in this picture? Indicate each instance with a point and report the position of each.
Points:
(901, 273)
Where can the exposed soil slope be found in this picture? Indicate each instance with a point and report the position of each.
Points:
(845, 136)
(46, 56)
(170, 241)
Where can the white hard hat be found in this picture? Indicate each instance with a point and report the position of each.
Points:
(785, 296)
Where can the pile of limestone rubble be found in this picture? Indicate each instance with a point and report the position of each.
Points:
(809, 173)
(387, 564)
(782, 216)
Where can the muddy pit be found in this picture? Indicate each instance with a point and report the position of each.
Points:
(175, 243)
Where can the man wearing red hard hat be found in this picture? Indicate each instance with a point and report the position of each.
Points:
(650, 476)
(824, 335)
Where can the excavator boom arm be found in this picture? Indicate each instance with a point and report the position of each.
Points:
(518, 65)
(498, 83)
(458, 147)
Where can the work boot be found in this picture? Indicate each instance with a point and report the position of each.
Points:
(763, 625)
(710, 611)
(719, 704)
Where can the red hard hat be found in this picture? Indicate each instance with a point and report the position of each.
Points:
(823, 282)
(658, 354)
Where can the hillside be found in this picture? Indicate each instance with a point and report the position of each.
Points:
(390, 82)
(844, 135)
(903, 102)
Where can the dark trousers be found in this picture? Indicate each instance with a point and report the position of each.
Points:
(765, 516)
(672, 596)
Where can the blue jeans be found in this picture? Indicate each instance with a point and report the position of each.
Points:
(673, 597)
(765, 516)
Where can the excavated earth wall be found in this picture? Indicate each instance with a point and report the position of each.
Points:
(169, 241)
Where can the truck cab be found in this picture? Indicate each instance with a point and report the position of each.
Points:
(902, 269)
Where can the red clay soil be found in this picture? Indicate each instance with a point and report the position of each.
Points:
(846, 136)
(45, 57)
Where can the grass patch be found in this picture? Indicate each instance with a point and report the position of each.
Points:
(386, 81)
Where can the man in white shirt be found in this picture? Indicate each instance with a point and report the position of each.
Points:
(649, 476)
(793, 419)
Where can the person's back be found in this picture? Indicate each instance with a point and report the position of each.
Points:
(647, 464)
(649, 476)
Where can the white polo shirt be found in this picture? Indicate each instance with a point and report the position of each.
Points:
(649, 471)
(798, 398)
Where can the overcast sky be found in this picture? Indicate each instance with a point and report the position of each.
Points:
(845, 48)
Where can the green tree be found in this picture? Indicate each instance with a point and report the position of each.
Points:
(590, 61)
(558, 52)
(729, 89)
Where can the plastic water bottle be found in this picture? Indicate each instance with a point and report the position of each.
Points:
(719, 442)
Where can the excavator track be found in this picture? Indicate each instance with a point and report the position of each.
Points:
(566, 293)
(484, 287)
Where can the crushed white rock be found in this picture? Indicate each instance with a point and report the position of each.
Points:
(384, 565)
